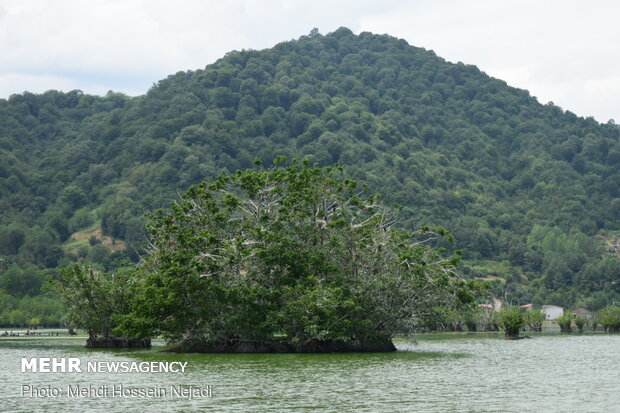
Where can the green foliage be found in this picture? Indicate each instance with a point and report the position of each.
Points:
(93, 299)
(580, 322)
(511, 320)
(22, 282)
(534, 319)
(296, 250)
(20, 312)
(448, 319)
(565, 321)
(514, 181)
(594, 322)
(609, 318)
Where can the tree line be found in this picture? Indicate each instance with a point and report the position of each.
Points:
(527, 190)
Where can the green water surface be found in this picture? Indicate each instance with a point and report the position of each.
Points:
(561, 373)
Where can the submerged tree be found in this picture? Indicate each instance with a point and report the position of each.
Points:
(534, 320)
(295, 251)
(594, 321)
(580, 322)
(511, 320)
(609, 318)
(565, 321)
(94, 299)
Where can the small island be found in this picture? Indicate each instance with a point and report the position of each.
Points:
(293, 258)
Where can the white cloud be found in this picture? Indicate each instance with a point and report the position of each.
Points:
(12, 83)
(551, 48)
(16, 83)
(609, 84)
(564, 51)
(149, 38)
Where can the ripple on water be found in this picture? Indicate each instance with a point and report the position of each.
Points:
(548, 373)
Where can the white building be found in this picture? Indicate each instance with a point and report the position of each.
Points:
(552, 312)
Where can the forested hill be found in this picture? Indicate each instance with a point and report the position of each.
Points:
(531, 192)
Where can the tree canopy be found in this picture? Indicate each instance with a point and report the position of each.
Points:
(297, 251)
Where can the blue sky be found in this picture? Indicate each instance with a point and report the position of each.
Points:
(561, 51)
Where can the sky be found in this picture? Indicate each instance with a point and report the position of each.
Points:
(567, 52)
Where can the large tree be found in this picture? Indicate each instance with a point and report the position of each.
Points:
(297, 251)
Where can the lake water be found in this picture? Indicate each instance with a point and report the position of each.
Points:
(552, 373)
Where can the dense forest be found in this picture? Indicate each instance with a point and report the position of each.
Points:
(530, 192)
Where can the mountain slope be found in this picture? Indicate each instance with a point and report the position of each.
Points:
(524, 187)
